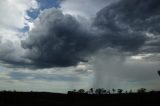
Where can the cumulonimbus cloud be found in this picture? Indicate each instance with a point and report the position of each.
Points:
(59, 40)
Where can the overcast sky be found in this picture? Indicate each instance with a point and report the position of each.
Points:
(60, 45)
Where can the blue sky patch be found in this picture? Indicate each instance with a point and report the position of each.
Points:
(33, 14)
(45, 4)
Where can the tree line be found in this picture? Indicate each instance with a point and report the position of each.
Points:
(105, 91)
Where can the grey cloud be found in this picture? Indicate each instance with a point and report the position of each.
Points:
(90, 7)
(58, 40)
(152, 45)
(48, 77)
(152, 57)
(18, 75)
(126, 22)
(11, 52)
(139, 15)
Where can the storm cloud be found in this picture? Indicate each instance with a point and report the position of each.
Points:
(128, 24)
(61, 40)
(58, 40)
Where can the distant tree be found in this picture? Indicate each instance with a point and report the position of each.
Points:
(108, 92)
(141, 90)
(91, 91)
(119, 91)
(4, 91)
(70, 92)
(126, 91)
(81, 91)
(130, 91)
(158, 72)
(74, 90)
(113, 90)
(152, 91)
(99, 91)
(104, 91)
(87, 92)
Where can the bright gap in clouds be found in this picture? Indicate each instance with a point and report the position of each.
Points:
(140, 56)
(84, 8)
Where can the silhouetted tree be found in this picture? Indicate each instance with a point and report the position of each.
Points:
(81, 91)
(99, 91)
(119, 91)
(70, 92)
(91, 91)
(158, 72)
(87, 92)
(104, 91)
(141, 90)
(113, 90)
(108, 92)
(126, 91)
(74, 90)
(130, 91)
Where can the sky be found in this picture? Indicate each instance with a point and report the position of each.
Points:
(61, 45)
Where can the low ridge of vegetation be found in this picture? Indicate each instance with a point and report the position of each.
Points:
(92, 97)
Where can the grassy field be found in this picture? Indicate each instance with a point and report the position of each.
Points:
(54, 99)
